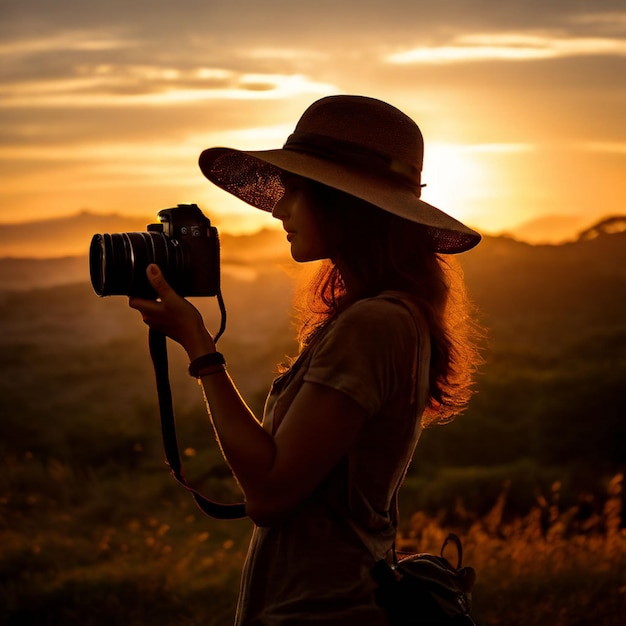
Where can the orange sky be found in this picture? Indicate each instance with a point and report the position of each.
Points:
(106, 108)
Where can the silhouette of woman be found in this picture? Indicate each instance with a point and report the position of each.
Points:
(385, 351)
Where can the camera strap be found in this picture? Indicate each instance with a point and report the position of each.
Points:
(158, 351)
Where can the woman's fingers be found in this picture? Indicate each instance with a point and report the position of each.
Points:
(158, 282)
(172, 315)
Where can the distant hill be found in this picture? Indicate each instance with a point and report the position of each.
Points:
(520, 288)
(240, 254)
(557, 229)
(608, 226)
(71, 235)
(61, 236)
(549, 294)
(549, 229)
(24, 274)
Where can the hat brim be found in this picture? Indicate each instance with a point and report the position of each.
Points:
(254, 177)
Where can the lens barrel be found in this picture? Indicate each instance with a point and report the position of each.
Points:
(118, 262)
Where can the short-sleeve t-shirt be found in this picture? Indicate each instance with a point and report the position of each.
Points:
(313, 567)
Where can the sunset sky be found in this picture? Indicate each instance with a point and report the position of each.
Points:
(106, 106)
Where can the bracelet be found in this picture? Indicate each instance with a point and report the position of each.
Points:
(209, 371)
(206, 361)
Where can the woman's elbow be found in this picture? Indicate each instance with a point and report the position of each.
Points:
(266, 511)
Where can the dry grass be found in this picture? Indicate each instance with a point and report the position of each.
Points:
(96, 550)
(552, 567)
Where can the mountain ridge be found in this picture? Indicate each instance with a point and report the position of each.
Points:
(599, 250)
(69, 235)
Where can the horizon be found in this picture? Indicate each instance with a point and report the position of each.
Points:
(106, 109)
(69, 235)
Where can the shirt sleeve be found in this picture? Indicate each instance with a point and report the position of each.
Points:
(367, 353)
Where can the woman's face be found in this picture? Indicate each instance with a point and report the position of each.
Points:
(301, 219)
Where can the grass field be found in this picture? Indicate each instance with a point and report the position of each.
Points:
(113, 546)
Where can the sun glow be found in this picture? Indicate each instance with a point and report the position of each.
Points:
(452, 176)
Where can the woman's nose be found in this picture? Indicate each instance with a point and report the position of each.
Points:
(280, 209)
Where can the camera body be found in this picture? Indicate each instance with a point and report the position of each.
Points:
(183, 244)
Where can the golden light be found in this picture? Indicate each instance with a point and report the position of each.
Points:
(452, 175)
(487, 186)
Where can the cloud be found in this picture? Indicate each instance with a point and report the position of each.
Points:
(108, 67)
(286, 53)
(509, 47)
(107, 85)
(79, 81)
(612, 21)
(63, 41)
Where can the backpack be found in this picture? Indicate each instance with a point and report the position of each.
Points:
(425, 589)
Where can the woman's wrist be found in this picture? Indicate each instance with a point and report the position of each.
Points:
(199, 345)
(207, 364)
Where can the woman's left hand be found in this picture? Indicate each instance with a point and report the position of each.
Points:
(174, 316)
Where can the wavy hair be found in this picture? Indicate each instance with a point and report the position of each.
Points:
(379, 251)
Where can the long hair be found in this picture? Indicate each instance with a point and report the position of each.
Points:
(379, 251)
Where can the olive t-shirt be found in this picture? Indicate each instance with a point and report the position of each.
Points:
(313, 567)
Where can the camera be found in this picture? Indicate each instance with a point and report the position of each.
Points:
(183, 244)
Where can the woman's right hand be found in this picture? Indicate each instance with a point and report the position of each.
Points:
(173, 316)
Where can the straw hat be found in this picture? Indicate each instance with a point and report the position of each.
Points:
(359, 145)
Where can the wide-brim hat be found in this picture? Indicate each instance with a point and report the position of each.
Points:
(358, 145)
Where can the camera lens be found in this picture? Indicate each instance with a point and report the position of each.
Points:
(118, 262)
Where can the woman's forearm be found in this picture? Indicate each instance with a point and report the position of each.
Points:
(249, 449)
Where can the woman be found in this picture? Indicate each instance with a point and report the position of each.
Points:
(383, 354)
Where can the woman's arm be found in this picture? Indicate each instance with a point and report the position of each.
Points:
(275, 472)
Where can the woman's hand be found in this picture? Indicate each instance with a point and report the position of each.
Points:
(174, 316)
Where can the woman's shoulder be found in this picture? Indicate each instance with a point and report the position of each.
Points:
(384, 307)
(384, 318)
